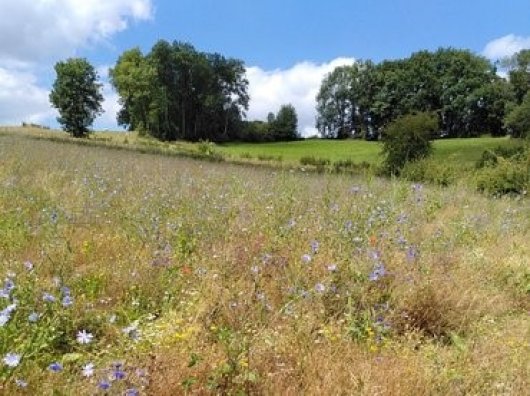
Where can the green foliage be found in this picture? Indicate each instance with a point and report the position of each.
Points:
(406, 140)
(491, 157)
(462, 88)
(284, 126)
(176, 92)
(431, 171)
(508, 176)
(518, 119)
(76, 95)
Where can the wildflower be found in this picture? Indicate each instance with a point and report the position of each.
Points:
(33, 317)
(378, 272)
(21, 383)
(65, 290)
(84, 337)
(12, 359)
(266, 258)
(306, 258)
(132, 331)
(411, 253)
(28, 265)
(118, 374)
(254, 269)
(104, 385)
(88, 370)
(332, 267)
(4, 318)
(314, 246)
(55, 367)
(132, 392)
(67, 301)
(47, 297)
(320, 288)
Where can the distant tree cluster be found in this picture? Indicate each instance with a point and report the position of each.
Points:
(176, 92)
(461, 88)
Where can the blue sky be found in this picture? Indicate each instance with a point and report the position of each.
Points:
(287, 45)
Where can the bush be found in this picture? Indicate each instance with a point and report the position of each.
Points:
(506, 177)
(318, 162)
(407, 139)
(430, 171)
(490, 157)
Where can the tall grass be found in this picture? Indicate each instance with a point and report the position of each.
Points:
(209, 278)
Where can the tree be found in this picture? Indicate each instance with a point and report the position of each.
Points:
(133, 77)
(408, 139)
(76, 95)
(285, 125)
(177, 92)
(337, 104)
(518, 67)
(518, 119)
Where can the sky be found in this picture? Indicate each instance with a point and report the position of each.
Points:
(288, 46)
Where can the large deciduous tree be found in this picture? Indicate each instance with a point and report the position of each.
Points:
(76, 95)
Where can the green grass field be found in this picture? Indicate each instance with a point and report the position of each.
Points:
(465, 151)
(459, 151)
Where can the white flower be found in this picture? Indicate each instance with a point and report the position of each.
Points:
(88, 370)
(84, 337)
(12, 359)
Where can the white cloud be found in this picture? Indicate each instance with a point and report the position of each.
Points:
(21, 99)
(32, 30)
(505, 46)
(35, 33)
(298, 86)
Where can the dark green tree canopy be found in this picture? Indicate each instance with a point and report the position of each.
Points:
(76, 95)
(177, 92)
(462, 88)
(284, 126)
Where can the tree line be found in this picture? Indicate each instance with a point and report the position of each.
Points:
(464, 90)
(175, 92)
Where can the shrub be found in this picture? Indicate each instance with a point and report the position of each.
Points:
(407, 139)
(490, 157)
(318, 162)
(429, 171)
(507, 177)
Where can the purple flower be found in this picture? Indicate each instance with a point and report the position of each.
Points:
(378, 272)
(412, 253)
(28, 265)
(306, 258)
(314, 246)
(132, 392)
(320, 288)
(12, 359)
(47, 297)
(118, 374)
(104, 385)
(55, 367)
(67, 301)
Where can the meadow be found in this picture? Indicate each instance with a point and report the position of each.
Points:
(130, 273)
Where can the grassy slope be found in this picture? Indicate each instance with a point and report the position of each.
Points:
(464, 151)
(217, 267)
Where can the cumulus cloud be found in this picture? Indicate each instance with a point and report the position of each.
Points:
(21, 99)
(297, 85)
(35, 33)
(505, 46)
(33, 30)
